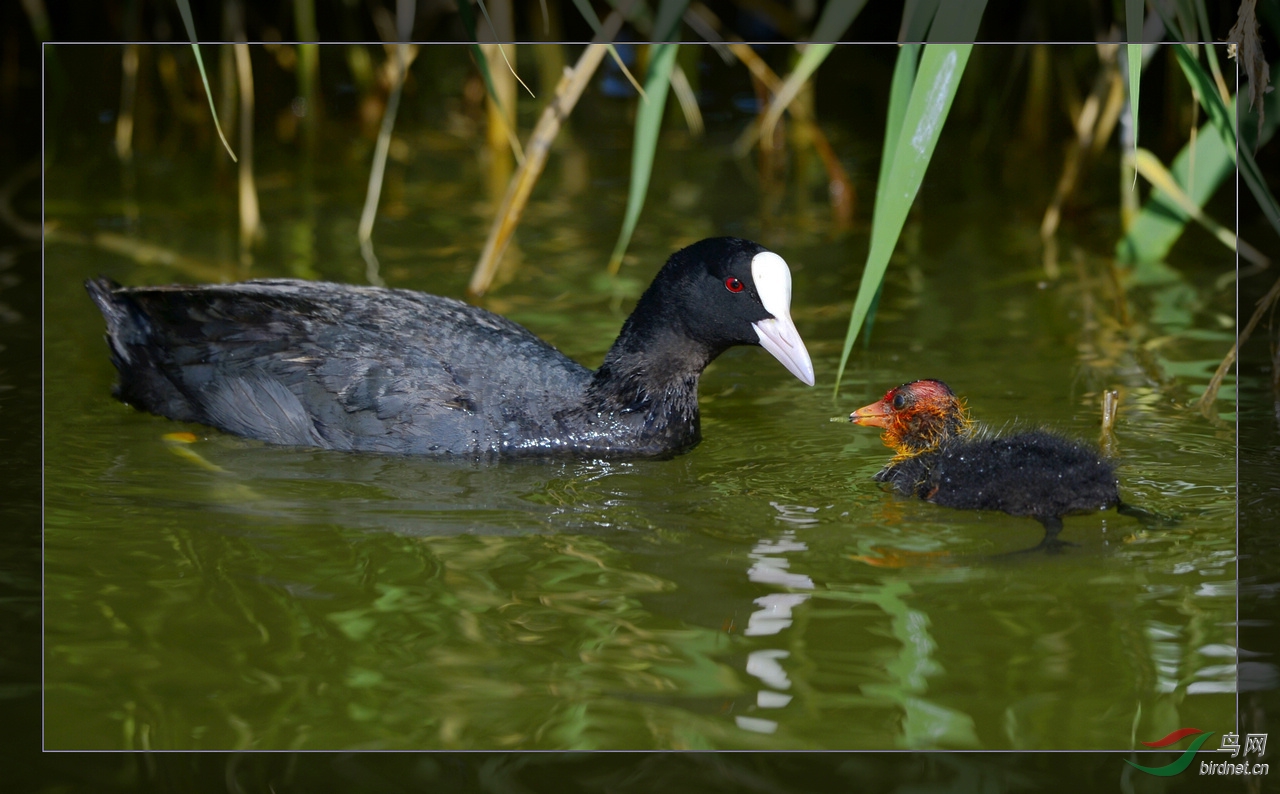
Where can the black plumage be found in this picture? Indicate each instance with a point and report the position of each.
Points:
(1034, 473)
(389, 370)
(943, 459)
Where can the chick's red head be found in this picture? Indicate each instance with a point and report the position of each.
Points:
(916, 417)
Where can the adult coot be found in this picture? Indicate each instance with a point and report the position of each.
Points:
(389, 370)
(942, 458)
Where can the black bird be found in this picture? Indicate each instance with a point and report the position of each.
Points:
(390, 370)
(942, 458)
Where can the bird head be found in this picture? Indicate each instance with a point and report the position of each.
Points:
(917, 417)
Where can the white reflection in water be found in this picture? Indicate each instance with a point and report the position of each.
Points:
(770, 569)
(776, 614)
(769, 566)
(764, 665)
(795, 514)
(1224, 673)
(1166, 656)
(1207, 687)
(756, 725)
(768, 699)
(773, 570)
(1217, 589)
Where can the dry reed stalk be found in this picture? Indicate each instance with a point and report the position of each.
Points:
(567, 93)
(1110, 412)
(128, 91)
(687, 99)
(1205, 403)
(143, 253)
(1086, 130)
(250, 218)
(1111, 111)
(1150, 167)
(400, 54)
(501, 132)
(839, 187)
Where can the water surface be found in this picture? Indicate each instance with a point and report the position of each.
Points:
(761, 591)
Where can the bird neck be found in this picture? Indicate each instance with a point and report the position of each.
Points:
(650, 369)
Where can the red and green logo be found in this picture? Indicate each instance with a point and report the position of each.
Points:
(1181, 762)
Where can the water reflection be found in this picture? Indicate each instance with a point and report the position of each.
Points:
(770, 567)
(925, 723)
(775, 614)
(904, 674)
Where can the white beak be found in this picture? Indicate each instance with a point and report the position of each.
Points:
(778, 334)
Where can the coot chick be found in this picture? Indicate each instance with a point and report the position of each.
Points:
(390, 370)
(942, 458)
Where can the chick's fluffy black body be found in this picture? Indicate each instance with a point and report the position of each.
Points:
(944, 458)
(1033, 473)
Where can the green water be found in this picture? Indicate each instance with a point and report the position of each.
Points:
(761, 591)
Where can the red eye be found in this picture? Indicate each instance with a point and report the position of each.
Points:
(733, 284)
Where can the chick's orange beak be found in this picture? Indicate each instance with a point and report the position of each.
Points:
(877, 414)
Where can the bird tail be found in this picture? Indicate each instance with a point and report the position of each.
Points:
(1149, 518)
(103, 292)
(142, 382)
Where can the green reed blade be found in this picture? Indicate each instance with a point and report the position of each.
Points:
(1224, 120)
(932, 91)
(835, 20)
(1133, 18)
(1162, 221)
(810, 60)
(637, 13)
(917, 16)
(468, 18)
(648, 126)
(669, 15)
(1151, 169)
(956, 20)
(904, 76)
(938, 75)
(1211, 52)
(589, 14)
(484, 10)
(185, 10)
